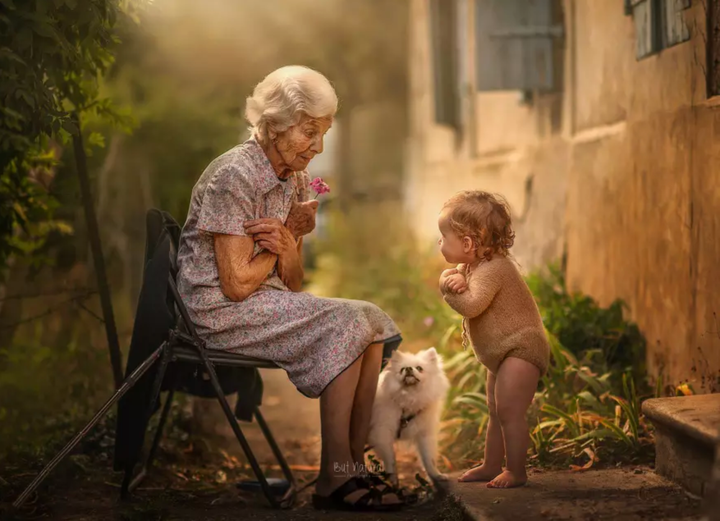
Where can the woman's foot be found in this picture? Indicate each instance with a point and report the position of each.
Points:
(356, 494)
(508, 479)
(325, 485)
(481, 473)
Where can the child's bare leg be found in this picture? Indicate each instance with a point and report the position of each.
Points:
(516, 382)
(494, 447)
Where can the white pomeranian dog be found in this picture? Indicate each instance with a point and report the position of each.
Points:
(408, 406)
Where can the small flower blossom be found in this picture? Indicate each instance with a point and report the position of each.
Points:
(319, 186)
(428, 321)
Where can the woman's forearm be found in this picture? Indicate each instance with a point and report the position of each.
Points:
(254, 273)
(290, 270)
(240, 275)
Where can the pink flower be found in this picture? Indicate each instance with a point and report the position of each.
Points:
(429, 321)
(319, 186)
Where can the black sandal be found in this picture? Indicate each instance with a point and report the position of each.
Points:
(383, 485)
(371, 501)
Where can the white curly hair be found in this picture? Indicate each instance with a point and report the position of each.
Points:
(283, 96)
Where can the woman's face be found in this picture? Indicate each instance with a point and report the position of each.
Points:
(300, 143)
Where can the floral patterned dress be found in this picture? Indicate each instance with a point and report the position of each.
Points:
(314, 339)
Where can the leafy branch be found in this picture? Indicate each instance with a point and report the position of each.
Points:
(52, 55)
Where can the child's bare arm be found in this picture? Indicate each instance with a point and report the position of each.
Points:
(482, 287)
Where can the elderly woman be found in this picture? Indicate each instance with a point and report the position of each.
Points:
(240, 275)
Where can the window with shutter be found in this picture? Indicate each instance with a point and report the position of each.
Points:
(444, 41)
(517, 44)
(659, 24)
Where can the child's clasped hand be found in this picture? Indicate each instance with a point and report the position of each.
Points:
(454, 282)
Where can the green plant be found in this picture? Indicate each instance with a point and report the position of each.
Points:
(51, 57)
(577, 415)
(599, 336)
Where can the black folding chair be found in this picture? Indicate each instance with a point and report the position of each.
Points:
(167, 354)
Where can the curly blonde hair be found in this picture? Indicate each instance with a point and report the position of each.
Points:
(485, 218)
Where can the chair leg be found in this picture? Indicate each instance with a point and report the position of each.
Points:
(161, 426)
(129, 382)
(292, 492)
(156, 441)
(127, 484)
(239, 434)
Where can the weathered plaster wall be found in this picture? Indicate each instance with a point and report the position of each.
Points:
(629, 185)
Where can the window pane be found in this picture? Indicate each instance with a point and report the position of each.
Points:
(515, 42)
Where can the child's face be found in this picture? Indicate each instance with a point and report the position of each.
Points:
(454, 248)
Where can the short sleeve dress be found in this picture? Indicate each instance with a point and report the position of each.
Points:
(313, 339)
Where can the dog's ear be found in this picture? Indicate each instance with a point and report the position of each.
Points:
(431, 355)
(396, 356)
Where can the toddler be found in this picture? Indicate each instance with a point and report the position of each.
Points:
(503, 324)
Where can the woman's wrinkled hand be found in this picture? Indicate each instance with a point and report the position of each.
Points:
(272, 235)
(301, 219)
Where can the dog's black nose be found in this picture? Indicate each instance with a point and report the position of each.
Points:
(407, 370)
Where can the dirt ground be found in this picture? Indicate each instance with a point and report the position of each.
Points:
(196, 478)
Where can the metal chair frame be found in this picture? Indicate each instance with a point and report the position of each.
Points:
(183, 345)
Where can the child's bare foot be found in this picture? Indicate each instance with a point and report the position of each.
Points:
(508, 479)
(481, 473)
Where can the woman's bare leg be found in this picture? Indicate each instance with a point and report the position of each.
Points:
(336, 462)
(363, 404)
(336, 408)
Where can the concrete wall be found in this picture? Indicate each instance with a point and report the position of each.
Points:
(643, 200)
(625, 183)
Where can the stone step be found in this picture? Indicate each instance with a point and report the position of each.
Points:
(687, 430)
(618, 493)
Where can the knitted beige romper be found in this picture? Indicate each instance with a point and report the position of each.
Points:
(502, 317)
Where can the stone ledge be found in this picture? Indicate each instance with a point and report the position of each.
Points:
(622, 493)
(697, 417)
(687, 429)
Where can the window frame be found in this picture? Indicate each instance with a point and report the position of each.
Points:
(663, 16)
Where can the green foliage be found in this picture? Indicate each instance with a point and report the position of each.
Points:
(51, 56)
(577, 416)
(582, 414)
(600, 336)
(44, 390)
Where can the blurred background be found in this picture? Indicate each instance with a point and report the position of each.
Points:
(591, 118)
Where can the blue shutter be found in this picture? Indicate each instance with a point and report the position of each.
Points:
(515, 44)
